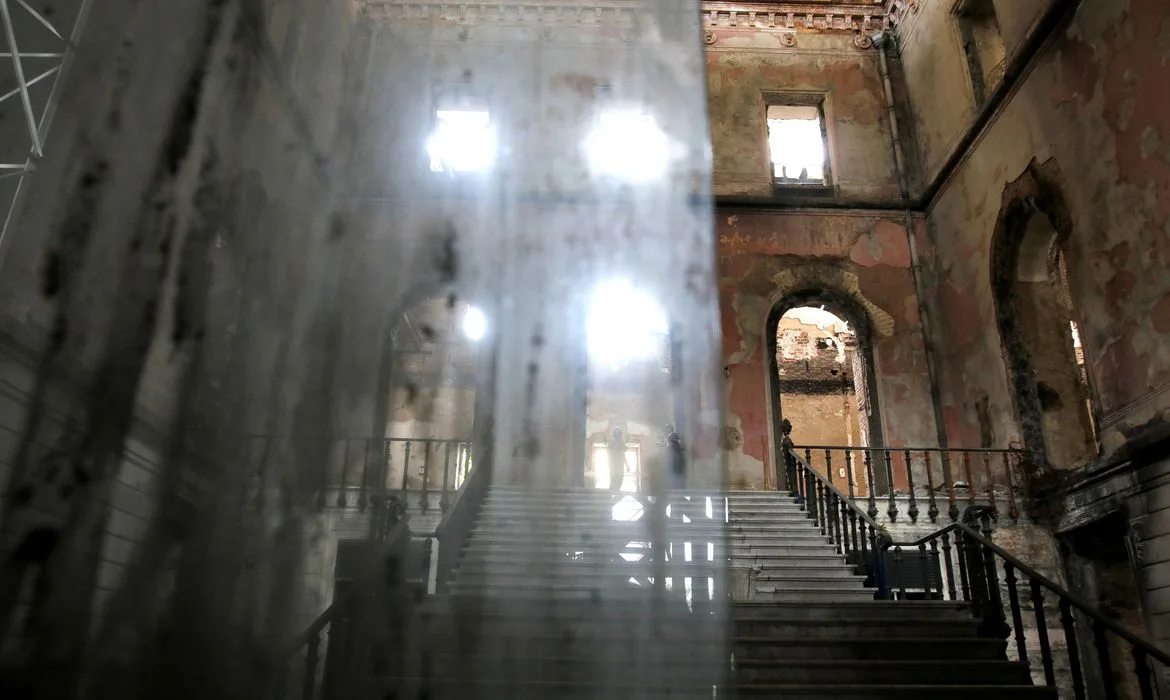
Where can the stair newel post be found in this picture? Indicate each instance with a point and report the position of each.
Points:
(990, 483)
(994, 620)
(892, 509)
(1141, 667)
(953, 505)
(909, 461)
(1104, 663)
(363, 490)
(423, 499)
(849, 473)
(445, 499)
(1074, 654)
(309, 680)
(929, 565)
(898, 568)
(342, 497)
(932, 509)
(1042, 634)
(1009, 577)
(950, 570)
(879, 545)
(873, 509)
(1013, 507)
(405, 465)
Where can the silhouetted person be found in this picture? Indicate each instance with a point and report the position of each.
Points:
(617, 459)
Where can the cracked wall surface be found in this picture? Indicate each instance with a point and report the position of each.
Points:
(1093, 109)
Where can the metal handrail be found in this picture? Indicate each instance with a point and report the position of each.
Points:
(850, 502)
(1076, 601)
(908, 448)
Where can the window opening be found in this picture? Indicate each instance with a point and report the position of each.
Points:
(982, 44)
(797, 144)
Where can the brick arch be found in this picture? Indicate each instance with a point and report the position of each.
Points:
(838, 283)
(815, 286)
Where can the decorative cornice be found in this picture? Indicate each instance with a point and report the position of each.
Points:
(509, 12)
(836, 17)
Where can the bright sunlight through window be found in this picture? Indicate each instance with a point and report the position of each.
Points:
(463, 141)
(624, 324)
(627, 144)
(796, 144)
(474, 324)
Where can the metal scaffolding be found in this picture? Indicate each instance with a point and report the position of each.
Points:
(39, 45)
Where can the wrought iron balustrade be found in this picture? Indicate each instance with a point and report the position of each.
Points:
(920, 476)
(353, 470)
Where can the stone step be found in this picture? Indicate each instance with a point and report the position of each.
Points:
(784, 573)
(813, 594)
(586, 578)
(836, 612)
(953, 671)
(789, 582)
(894, 692)
(651, 687)
(600, 595)
(794, 649)
(879, 629)
(518, 547)
(562, 517)
(480, 559)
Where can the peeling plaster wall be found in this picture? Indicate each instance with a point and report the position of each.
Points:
(744, 65)
(1096, 106)
(763, 257)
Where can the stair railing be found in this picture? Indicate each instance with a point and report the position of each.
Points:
(459, 519)
(921, 477)
(981, 573)
(333, 657)
(853, 531)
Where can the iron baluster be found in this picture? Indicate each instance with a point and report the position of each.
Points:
(807, 468)
(829, 465)
(873, 509)
(445, 500)
(405, 466)
(1141, 667)
(821, 507)
(1074, 655)
(1013, 507)
(946, 545)
(996, 624)
(853, 528)
(1009, 577)
(953, 507)
(835, 529)
(913, 511)
(342, 497)
(898, 568)
(932, 509)
(1104, 662)
(970, 482)
(925, 570)
(990, 483)
(424, 499)
(892, 510)
(363, 495)
(849, 473)
(309, 682)
(1042, 634)
(961, 554)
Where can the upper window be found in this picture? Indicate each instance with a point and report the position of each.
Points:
(982, 44)
(797, 144)
(463, 139)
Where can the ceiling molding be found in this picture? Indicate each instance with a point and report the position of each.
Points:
(794, 16)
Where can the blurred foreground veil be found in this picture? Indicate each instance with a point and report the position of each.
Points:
(299, 286)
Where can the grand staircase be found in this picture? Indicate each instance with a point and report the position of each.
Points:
(564, 594)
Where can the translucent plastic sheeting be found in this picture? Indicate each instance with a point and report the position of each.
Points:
(294, 276)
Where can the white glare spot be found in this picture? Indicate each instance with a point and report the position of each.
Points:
(463, 141)
(627, 510)
(474, 323)
(624, 323)
(629, 144)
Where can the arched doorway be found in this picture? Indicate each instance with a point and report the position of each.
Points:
(821, 374)
(1038, 325)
